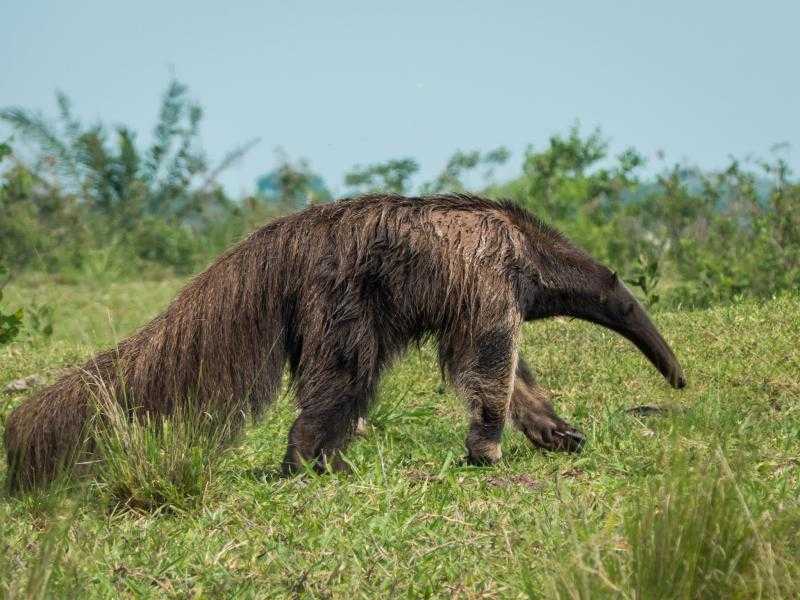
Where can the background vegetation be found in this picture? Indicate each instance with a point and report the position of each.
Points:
(92, 201)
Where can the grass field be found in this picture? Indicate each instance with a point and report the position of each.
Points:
(698, 500)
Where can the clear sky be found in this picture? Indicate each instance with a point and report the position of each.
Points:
(350, 82)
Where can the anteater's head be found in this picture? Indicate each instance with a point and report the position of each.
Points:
(560, 279)
(609, 303)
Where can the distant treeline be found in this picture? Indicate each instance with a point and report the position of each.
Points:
(92, 202)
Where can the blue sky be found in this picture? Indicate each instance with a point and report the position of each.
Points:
(347, 82)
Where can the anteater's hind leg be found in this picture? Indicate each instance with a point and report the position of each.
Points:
(330, 407)
(533, 414)
(483, 373)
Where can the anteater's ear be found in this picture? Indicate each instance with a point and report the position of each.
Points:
(613, 279)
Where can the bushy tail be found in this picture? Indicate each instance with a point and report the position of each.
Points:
(47, 433)
(219, 346)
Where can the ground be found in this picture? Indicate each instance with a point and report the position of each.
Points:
(412, 520)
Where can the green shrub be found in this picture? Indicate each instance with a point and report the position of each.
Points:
(10, 323)
(711, 236)
(41, 319)
(172, 245)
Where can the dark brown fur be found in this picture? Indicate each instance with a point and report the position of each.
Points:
(338, 292)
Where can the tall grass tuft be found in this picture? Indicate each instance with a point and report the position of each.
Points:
(691, 533)
(155, 462)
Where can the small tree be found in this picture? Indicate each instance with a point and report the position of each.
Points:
(567, 180)
(292, 185)
(460, 164)
(106, 169)
(391, 177)
(395, 176)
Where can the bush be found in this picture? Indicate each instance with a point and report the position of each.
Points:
(712, 236)
(168, 244)
(10, 323)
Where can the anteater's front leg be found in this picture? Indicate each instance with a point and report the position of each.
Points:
(482, 372)
(533, 414)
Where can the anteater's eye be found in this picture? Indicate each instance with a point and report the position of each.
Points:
(628, 309)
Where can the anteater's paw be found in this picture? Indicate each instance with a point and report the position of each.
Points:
(480, 461)
(483, 454)
(292, 465)
(333, 464)
(556, 435)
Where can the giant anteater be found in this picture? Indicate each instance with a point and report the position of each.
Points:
(337, 292)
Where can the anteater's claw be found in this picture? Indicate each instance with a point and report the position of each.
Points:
(570, 440)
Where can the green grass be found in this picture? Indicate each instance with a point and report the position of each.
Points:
(700, 501)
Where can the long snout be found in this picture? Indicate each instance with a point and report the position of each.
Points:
(622, 313)
(639, 329)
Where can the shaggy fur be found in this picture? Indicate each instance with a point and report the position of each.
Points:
(338, 292)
